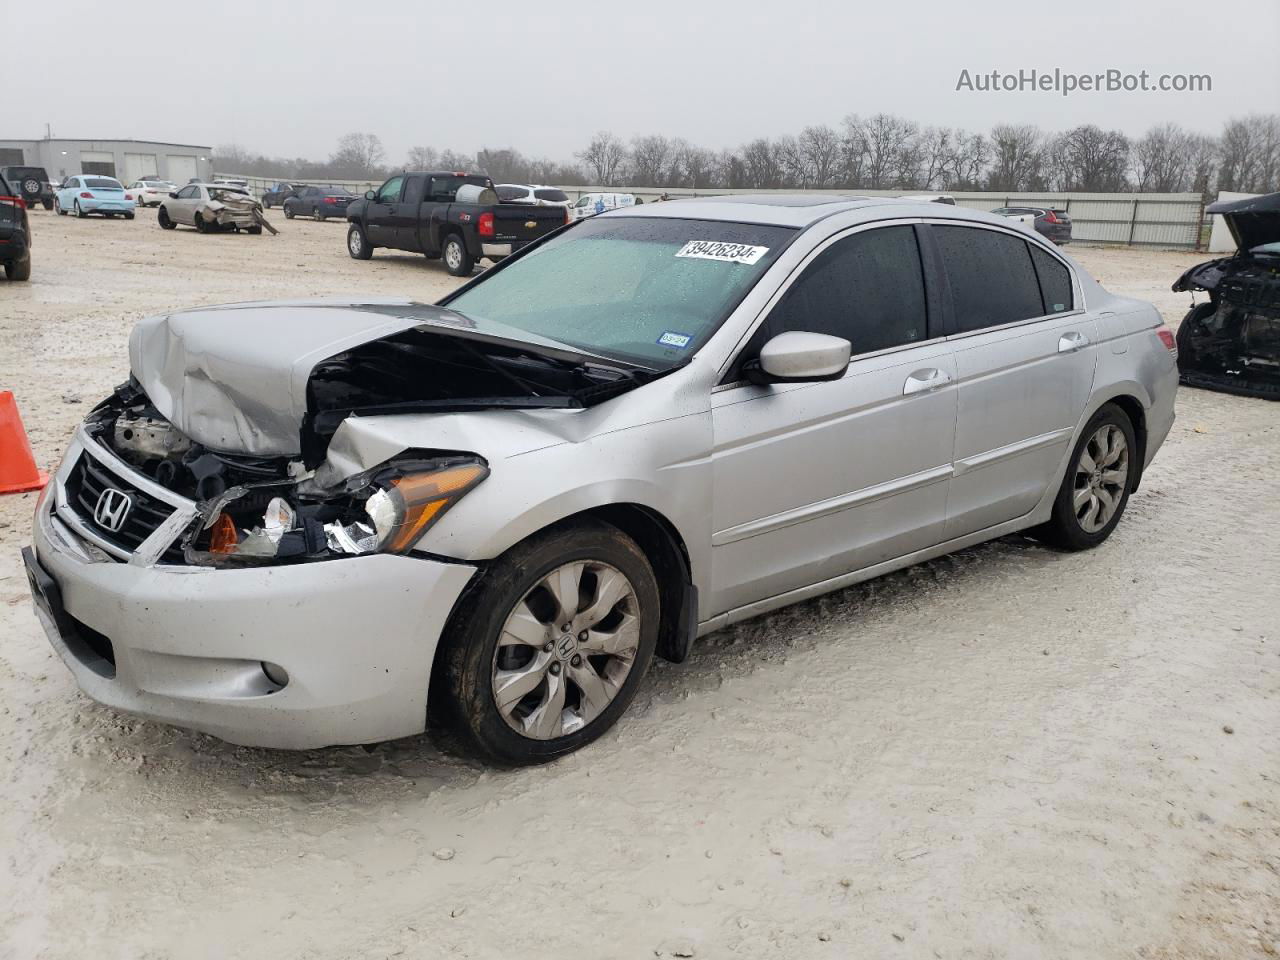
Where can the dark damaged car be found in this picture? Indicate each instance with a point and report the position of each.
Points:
(1232, 342)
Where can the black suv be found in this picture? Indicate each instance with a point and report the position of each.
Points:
(32, 183)
(15, 234)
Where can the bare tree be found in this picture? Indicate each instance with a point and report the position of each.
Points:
(936, 148)
(853, 152)
(652, 159)
(604, 157)
(1017, 157)
(761, 165)
(1091, 159)
(358, 155)
(970, 155)
(699, 167)
(890, 151)
(819, 147)
(1250, 154)
(423, 158)
(1161, 159)
(791, 163)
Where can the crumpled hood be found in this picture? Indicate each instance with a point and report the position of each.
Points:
(234, 378)
(1252, 221)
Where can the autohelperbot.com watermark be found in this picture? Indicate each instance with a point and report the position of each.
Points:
(1066, 82)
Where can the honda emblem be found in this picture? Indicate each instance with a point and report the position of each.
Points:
(112, 509)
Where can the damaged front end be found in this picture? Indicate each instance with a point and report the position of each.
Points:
(255, 510)
(1232, 343)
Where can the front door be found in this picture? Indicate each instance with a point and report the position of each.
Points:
(815, 480)
(379, 225)
(1025, 358)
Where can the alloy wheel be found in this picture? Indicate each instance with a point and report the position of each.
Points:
(1100, 478)
(566, 650)
(453, 255)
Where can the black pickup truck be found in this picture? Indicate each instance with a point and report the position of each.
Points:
(455, 217)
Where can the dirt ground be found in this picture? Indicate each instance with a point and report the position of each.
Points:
(1009, 752)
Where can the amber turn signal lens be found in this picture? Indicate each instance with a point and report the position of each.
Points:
(223, 537)
(419, 499)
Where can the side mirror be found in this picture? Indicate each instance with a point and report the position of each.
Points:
(173, 194)
(370, 195)
(799, 357)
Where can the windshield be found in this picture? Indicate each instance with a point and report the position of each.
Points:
(644, 290)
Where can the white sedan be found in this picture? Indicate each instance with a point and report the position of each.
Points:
(149, 192)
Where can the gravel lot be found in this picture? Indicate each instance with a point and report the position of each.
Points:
(1009, 752)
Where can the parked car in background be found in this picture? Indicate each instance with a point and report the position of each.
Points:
(149, 192)
(330, 518)
(238, 184)
(589, 204)
(320, 203)
(211, 208)
(532, 194)
(278, 193)
(31, 184)
(1054, 225)
(15, 233)
(1232, 342)
(456, 217)
(89, 193)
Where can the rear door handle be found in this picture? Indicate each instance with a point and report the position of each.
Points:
(922, 381)
(1071, 342)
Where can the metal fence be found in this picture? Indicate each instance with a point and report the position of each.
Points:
(1158, 220)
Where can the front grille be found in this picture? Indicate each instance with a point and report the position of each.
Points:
(84, 486)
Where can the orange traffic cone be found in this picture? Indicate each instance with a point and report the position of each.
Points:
(17, 467)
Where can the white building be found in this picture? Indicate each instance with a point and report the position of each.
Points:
(126, 160)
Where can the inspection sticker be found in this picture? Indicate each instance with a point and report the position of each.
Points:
(720, 250)
(673, 339)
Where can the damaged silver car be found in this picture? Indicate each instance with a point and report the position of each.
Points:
(213, 208)
(313, 522)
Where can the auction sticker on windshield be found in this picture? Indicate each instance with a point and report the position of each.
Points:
(720, 250)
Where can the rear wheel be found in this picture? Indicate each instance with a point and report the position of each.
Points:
(317, 213)
(358, 243)
(456, 259)
(1095, 491)
(47, 204)
(201, 226)
(129, 215)
(79, 213)
(19, 269)
(163, 219)
(256, 229)
(546, 652)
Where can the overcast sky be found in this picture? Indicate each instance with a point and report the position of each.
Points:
(542, 77)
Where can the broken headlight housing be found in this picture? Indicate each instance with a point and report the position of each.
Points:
(385, 510)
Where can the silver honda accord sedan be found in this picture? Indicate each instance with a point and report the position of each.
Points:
(314, 522)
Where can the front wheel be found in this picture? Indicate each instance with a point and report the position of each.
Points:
(358, 243)
(57, 208)
(456, 259)
(163, 219)
(545, 653)
(1100, 475)
(288, 212)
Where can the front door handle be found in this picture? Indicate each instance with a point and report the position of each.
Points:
(1071, 342)
(922, 381)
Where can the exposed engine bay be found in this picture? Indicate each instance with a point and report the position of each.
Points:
(1232, 343)
(255, 508)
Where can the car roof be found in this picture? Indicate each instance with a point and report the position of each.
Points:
(800, 210)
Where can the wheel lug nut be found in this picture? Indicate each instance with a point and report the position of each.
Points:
(566, 628)
(546, 647)
(577, 660)
(582, 637)
(555, 667)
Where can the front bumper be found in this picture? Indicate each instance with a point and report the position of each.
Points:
(187, 645)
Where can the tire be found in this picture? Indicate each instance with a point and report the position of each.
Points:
(358, 244)
(456, 259)
(317, 214)
(548, 714)
(79, 213)
(1184, 339)
(129, 216)
(1079, 519)
(57, 208)
(266, 204)
(201, 226)
(16, 270)
(288, 212)
(162, 218)
(47, 204)
(255, 230)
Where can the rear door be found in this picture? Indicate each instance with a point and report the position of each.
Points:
(815, 480)
(1025, 354)
(379, 213)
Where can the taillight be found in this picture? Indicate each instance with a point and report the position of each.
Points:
(17, 202)
(1166, 337)
(566, 214)
(86, 195)
(485, 225)
(128, 196)
(1051, 217)
(330, 199)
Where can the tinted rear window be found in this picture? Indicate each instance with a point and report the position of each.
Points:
(101, 183)
(512, 193)
(991, 277)
(1055, 281)
(555, 196)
